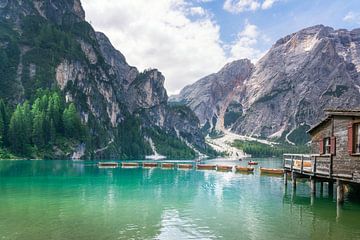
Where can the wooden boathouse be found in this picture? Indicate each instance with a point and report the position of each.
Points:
(335, 153)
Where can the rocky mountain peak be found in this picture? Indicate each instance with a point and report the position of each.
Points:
(57, 11)
(286, 91)
(210, 96)
(52, 47)
(147, 90)
(236, 67)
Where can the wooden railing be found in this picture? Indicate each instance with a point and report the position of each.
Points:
(311, 164)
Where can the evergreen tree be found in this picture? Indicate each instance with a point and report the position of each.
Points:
(72, 122)
(55, 110)
(1, 130)
(27, 120)
(4, 121)
(20, 129)
(38, 135)
(52, 136)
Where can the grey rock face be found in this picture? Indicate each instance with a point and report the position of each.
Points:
(147, 90)
(210, 96)
(104, 87)
(59, 11)
(302, 74)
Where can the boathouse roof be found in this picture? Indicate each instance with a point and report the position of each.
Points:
(335, 112)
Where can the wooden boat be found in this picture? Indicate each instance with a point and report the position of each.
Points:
(150, 165)
(129, 164)
(185, 166)
(205, 167)
(252, 163)
(108, 164)
(272, 171)
(167, 165)
(244, 169)
(224, 168)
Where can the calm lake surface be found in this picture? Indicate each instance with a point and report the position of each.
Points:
(77, 200)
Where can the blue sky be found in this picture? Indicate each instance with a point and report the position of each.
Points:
(285, 17)
(189, 39)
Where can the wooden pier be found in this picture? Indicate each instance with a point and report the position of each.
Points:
(335, 154)
(317, 169)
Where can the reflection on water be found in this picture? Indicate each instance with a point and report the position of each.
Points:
(77, 200)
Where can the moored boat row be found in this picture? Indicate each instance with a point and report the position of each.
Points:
(222, 168)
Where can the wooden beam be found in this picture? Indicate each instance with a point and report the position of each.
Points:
(331, 188)
(313, 185)
(340, 193)
(293, 180)
(321, 188)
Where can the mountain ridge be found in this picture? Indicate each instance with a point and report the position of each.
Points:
(53, 47)
(301, 74)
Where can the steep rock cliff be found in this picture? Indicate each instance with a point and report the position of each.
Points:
(288, 89)
(210, 96)
(53, 47)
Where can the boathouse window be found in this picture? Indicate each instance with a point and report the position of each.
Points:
(354, 138)
(357, 138)
(327, 146)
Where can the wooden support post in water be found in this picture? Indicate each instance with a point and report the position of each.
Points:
(340, 192)
(321, 188)
(331, 188)
(285, 178)
(293, 179)
(313, 185)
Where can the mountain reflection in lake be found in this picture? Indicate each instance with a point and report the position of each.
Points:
(77, 200)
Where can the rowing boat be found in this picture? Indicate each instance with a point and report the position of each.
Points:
(185, 166)
(108, 164)
(167, 165)
(205, 167)
(272, 171)
(244, 169)
(224, 168)
(149, 165)
(129, 164)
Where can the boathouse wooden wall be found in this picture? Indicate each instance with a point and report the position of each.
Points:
(344, 164)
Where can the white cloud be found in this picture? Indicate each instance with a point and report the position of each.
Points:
(177, 37)
(238, 6)
(352, 17)
(160, 34)
(268, 4)
(197, 11)
(245, 44)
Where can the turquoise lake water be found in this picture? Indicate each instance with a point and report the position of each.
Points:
(77, 200)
